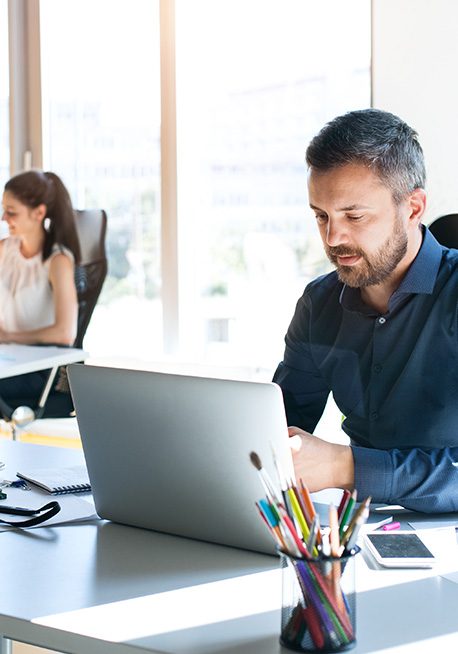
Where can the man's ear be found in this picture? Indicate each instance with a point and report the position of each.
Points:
(39, 213)
(417, 203)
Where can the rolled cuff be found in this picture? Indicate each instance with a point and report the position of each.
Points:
(373, 473)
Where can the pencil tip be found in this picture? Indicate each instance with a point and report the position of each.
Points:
(255, 460)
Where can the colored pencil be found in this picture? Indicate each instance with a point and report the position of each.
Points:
(347, 513)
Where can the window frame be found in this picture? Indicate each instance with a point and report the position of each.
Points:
(26, 133)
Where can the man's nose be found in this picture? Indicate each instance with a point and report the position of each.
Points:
(335, 233)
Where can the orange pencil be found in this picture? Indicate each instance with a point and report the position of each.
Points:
(304, 509)
(309, 506)
(308, 500)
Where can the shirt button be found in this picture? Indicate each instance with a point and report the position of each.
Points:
(382, 320)
(374, 416)
(377, 367)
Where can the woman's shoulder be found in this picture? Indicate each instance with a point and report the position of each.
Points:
(61, 267)
(57, 249)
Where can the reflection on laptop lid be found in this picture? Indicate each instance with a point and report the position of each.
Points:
(171, 452)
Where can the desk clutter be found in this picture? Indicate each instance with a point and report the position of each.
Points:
(58, 481)
(19, 509)
(35, 516)
(318, 564)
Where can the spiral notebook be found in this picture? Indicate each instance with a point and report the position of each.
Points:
(59, 481)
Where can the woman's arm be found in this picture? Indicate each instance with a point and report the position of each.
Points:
(63, 331)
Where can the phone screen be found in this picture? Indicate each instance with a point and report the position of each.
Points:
(399, 550)
(399, 546)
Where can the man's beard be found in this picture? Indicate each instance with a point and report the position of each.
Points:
(371, 269)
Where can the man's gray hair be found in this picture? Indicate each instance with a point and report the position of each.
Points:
(376, 139)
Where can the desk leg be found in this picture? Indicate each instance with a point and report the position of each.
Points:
(5, 645)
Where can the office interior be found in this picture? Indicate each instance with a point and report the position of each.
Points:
(187, 121)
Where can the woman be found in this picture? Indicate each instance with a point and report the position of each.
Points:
(38, 302)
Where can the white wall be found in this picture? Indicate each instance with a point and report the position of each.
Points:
(415, 75)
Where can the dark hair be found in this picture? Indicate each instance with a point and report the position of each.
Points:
(35, 187)
(377, 139)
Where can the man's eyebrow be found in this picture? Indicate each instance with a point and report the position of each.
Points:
(351, 207)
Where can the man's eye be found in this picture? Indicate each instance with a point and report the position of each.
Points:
(321, 218)
(354, 217)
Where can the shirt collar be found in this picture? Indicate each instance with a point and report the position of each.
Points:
(420, 278)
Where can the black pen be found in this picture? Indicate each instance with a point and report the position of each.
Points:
(16, 510)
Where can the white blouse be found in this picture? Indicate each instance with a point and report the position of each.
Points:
(26, 295)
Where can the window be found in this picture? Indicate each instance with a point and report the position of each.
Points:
(101, 134)
(256, 80)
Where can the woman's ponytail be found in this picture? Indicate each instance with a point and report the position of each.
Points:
(33, 188)
(62, 227)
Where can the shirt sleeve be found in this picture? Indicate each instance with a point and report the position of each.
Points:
(304, 391)
(418, 479)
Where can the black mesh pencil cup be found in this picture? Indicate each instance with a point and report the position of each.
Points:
(318, 603)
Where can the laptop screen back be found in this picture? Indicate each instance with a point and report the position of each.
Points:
(171, 452)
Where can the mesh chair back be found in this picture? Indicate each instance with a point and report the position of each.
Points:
(92, 269)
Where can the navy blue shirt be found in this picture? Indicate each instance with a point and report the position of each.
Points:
(393, 376)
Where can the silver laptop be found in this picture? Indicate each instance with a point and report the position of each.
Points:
(171, 452)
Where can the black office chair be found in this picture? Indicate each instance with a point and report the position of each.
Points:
(92, 270)
(445, 230)
(89, 278)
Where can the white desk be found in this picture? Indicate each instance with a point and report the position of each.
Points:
(107, 588)
(19, 359)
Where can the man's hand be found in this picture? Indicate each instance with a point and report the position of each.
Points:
(321, 464)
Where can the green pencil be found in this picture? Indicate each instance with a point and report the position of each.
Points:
(346, 514)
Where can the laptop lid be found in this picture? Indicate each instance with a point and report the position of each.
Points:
(171, 452)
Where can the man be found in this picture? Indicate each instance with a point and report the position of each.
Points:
(381, 332)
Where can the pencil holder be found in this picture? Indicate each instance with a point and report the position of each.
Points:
(318, 603)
